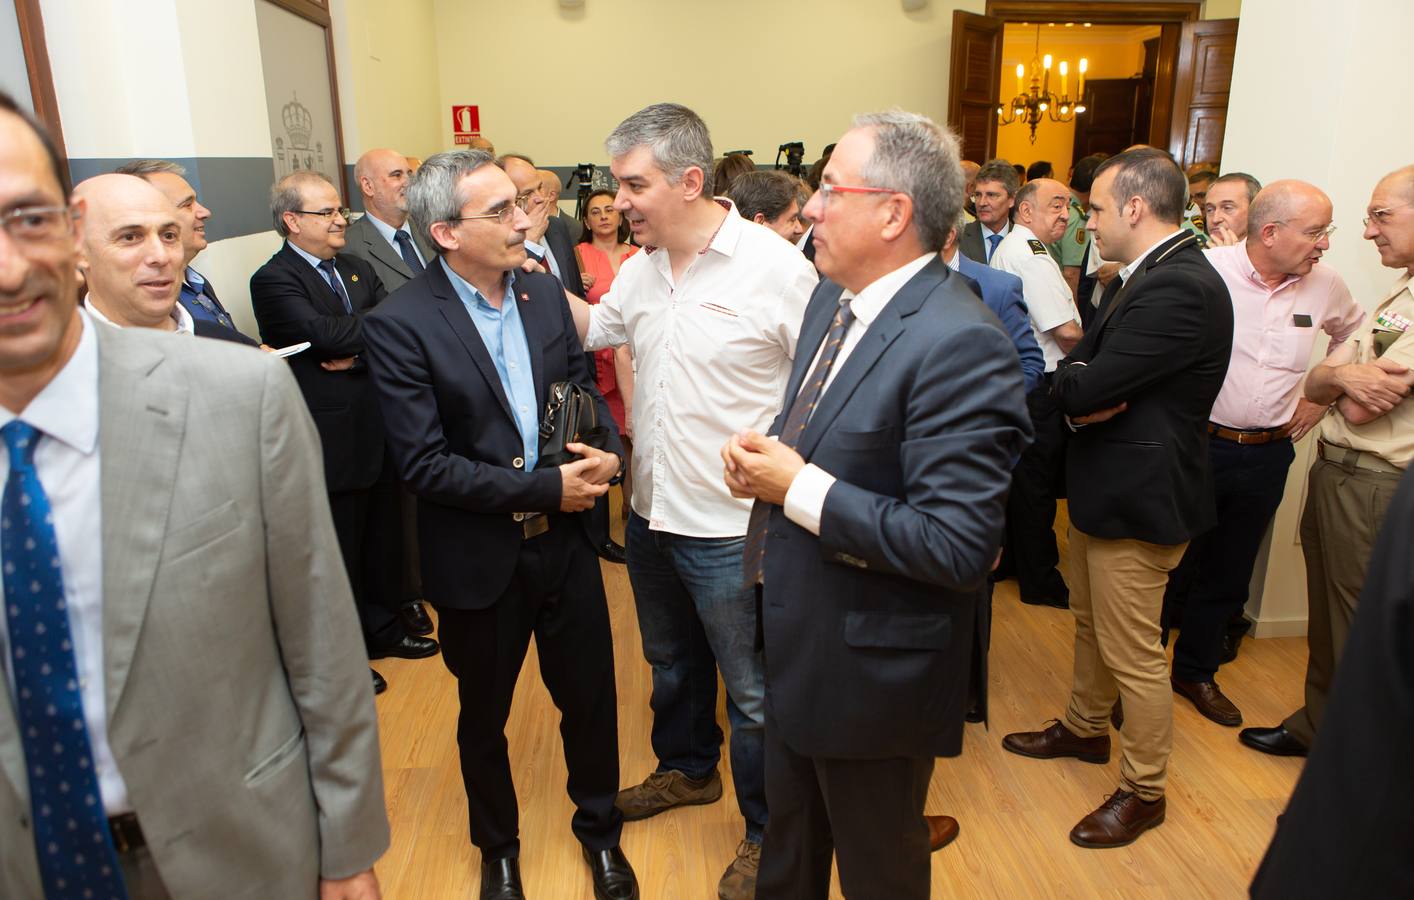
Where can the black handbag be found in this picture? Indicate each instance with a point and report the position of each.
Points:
(571, 416)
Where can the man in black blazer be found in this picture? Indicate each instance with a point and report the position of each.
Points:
(1137, 390)
(308, 292)
(464, 357)
(878, 515)
(383, 238)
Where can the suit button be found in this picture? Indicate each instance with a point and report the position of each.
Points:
(517, 517)
(518, 462)
(24, 822)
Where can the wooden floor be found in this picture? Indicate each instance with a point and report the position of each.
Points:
(1223, 799)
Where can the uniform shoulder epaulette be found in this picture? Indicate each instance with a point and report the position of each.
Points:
(1203, 241)
(1037, 247)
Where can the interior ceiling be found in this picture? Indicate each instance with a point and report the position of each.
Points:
(1062, 34)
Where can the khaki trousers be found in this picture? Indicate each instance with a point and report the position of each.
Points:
(1117, 594)
(1345, 507)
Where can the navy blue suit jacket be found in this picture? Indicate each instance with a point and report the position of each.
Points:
(452, 434)
(1001, 291)
(867, 628)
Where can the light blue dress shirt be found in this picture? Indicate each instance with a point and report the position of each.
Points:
(504, 335)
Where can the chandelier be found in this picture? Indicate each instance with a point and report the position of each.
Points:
(1031, 105)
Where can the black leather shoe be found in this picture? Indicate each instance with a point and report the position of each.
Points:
(1276, 741)
(974, 714)
(379, 685)
(500, 880)
(415, 618)
(612, 552)
(1231, 643)
(1053, 602)
(410, 647)
(613, 876)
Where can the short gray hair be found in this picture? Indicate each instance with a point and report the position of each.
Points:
(1253, 185)
(1151, 175)
(1027, 194)
(145, 167)
(916, 156)
(959, 222)
(434, 193)
(999, 170)
(286, 196)
(677, 137)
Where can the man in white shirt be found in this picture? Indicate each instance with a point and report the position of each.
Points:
(711, 310)
(1042, 210)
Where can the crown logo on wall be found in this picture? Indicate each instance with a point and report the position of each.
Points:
(299, 123)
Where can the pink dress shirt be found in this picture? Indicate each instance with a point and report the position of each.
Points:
(1274, 332)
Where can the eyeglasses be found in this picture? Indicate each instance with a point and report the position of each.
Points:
(36, 224)
(523, 200)
(505, 215)
(829, 190)
(1313, 235)
(1381, 216)
(341, 211)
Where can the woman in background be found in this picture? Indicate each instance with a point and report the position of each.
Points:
(602, 248)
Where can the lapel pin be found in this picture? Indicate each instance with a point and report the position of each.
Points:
(353, 278)
(524, 296)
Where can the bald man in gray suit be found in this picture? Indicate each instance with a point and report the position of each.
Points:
(185, 710)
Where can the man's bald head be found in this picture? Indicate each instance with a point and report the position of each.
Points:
(1043, 205)
(382, 177)
(130, 251)
(1282, 200)
(1389, 219)
(481, 143)
(1288, 228)
(550, 184)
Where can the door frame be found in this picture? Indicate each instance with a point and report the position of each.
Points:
(1171, 16)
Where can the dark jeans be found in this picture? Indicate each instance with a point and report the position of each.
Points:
(1211, 582)
(557, 594)
(1031, 506)
(695, 618)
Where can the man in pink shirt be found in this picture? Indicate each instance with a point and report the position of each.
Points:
(1281, 297)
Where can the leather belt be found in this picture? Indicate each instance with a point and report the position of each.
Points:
(127, 833)
(532, 524)
(1246, 435)
(1347, 457)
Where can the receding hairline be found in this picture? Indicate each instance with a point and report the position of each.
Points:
(109, 196)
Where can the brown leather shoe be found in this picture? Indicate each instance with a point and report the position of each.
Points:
(1057, 741)
(1118, 822)
(942, 830)
(1210, 701)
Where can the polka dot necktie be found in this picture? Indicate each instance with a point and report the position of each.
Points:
(75, 848)
(753, 556)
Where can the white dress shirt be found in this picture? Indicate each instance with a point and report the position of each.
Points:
(987, 232)
(543, 251)
(185, 323)
(388, 232)
(805, 500)
(1048, 299)
(1128, 270)
(713, 353)
(67, 463)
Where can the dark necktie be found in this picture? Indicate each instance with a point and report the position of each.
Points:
(75, 848)
(409, 253)
(754, 552)
(200, 298)
(336, 283)
(992, 241)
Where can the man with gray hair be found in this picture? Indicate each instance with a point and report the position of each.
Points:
(994, 196)
(711, 310)
(463, 357)
(885, 478)
(1225, 207)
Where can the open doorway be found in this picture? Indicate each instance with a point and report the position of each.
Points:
(1178, 101)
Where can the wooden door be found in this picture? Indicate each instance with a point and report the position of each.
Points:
(1202, 81)
(1111, 121)
(975, 84)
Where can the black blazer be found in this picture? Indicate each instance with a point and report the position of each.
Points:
(557, 238)
(452, 434)
(1161, 345)
(867, 628)
(209, 329)
(293, 303)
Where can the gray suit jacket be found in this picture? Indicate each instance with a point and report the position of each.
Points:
(970, 244)
(367, 244)
(239, 704)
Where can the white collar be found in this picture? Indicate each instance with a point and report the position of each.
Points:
(868, 303)
(66, 408)
(185, 323)
(987, 232)
(1128, 270)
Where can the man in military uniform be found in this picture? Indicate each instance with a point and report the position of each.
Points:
(1042, 212)
(1070, 250)
(1366, 444)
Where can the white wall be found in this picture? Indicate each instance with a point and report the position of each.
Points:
(1311, 99)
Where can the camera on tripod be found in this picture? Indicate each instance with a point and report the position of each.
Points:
(585, 174)
(795, 157)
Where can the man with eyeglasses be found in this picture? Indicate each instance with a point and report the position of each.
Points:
(464, 359)
(993, 199)
(1282, 297)
(1366, 444)
(309, 291)
(179, 714)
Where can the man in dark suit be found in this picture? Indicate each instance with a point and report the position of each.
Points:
(308, 292)
(1137, 390)
(882, 505)
(464, 357)
(382, 238)
(994, 196)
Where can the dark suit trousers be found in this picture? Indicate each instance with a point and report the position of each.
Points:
(556, 594)
(1031, 506)
(369, 526)
(1211, 582)
(868, 812)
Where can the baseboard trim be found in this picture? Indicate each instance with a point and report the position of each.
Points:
(1267, 628)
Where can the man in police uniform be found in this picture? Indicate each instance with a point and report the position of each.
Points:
(1366, 444)
(1070, 250)
(1042, 212)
